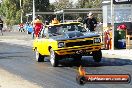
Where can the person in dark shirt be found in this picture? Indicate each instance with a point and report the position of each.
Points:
(1, 26)
(90, 22)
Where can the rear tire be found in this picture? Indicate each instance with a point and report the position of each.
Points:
(97, 56)
(39, 57)
(53, 58)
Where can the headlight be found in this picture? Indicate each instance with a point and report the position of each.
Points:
(97, 40)
(61, 44)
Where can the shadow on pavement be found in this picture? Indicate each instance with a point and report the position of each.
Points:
(12, 55)
(89, 62)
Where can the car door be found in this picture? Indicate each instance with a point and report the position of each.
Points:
(44, 43)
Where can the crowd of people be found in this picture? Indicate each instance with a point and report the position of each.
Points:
(90, 23)
(37, 24)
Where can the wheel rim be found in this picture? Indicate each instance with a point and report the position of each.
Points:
(37, 55)
(52, 56)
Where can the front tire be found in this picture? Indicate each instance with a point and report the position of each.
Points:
(39, 57)
(53, 58)
(97, 56)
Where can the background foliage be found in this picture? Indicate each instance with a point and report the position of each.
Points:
(10, 9)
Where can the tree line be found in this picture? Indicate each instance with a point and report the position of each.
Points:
(10, 10)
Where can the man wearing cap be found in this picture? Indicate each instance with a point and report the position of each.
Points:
(90, 22)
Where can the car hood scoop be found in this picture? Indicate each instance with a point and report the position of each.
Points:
(74, 35)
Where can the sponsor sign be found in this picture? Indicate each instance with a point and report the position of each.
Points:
(83, 78)
(122, 1)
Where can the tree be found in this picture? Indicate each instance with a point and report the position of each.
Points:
(11, 11)
(42, 5)
(62, 4)
(27, 8)
(89, 4)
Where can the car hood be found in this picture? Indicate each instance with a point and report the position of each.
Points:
(74, 35)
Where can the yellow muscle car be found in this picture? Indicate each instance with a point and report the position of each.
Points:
(67, 40)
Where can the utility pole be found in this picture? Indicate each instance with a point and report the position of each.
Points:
(33, 10)
(112, 23)
(21, 10)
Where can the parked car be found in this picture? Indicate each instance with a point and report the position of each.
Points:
(65, 40)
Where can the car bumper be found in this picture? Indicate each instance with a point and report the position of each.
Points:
(84, 50)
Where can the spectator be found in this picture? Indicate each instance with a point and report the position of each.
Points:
(38, 25)
(1, 26)
(46, 22)
(90, 22)
(21, 27)
(55, 21)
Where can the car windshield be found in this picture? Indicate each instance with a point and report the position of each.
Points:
(58, 30)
